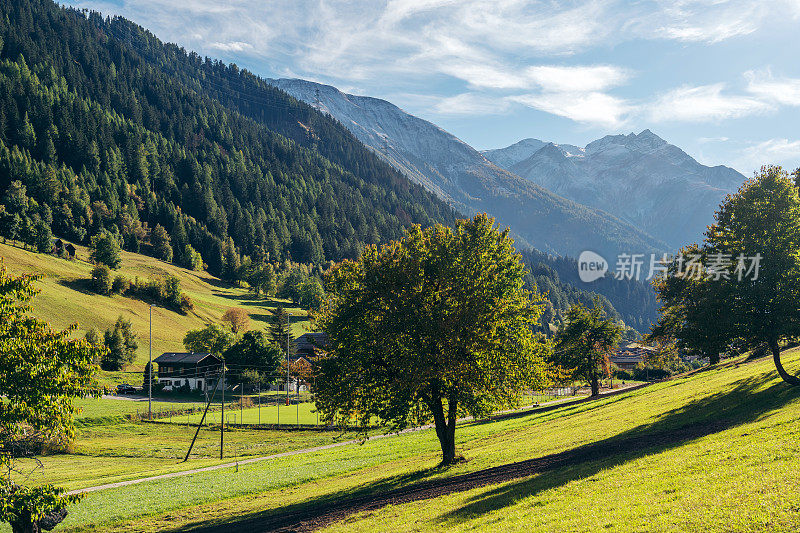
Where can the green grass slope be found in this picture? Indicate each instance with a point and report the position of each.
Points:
(66, 298)
(714, 451)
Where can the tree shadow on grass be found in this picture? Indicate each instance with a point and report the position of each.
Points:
(745, 401)
(715, 413)
(83, 285)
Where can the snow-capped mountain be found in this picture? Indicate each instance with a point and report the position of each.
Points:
(463, 177)
(639, 178)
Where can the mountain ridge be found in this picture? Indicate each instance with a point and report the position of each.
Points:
(468, 181)
(640, 178)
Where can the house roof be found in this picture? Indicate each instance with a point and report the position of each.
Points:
(311, 342)
(184, 358)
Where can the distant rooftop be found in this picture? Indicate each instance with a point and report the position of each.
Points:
(187, 358)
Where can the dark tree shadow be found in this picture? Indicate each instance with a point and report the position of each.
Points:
(741, 403)
(83, 285)
(719, 412)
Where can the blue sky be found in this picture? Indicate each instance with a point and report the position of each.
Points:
(719, 78)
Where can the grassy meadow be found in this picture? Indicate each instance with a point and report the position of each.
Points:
(66, 298)
(713, 451)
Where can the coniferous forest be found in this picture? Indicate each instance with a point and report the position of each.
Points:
(104, 129)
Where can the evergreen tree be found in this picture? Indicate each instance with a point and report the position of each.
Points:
(279, 327)
(121, 345)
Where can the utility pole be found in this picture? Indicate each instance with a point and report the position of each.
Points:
(222, 419)
(150, 371)
(208, 404)
(288, 327)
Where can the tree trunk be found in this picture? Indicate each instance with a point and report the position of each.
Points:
(445, 429)
(776, 356)
(595, 385)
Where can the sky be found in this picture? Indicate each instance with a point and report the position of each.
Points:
(718, 78)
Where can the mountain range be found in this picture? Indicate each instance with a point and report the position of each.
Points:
(641, 179)
(469, 182)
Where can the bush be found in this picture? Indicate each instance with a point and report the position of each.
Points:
(121, 285)
(165, 291)
(101, 279)
(186, 304)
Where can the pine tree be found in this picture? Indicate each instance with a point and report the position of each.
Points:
(279, 327)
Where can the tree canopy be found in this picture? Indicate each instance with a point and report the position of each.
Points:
(439, 319)
(584, 342)
(41, 371)
(253, 351)
(212, 339)
(746, 293)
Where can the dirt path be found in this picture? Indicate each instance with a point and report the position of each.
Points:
(322, 514)
(498, 416)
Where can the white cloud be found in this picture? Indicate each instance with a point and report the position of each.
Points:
(592, 108)
(785, 91)
(776, 149)
(704, 103)
(471, 104)
(576, 79)
(779, 151)
(235, 46)
(707, 21)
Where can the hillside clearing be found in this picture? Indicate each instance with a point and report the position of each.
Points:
(65, 299)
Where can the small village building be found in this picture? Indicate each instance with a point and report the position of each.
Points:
(631, 355)
(310, 346)
(306, 350)
(70, 250)
(199, 371)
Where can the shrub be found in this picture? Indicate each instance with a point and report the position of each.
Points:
(186, 304)
(121, 285)
(101, 279)
(237, 319)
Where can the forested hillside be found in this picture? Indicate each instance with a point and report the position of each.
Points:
(631, 300)
(106, 128)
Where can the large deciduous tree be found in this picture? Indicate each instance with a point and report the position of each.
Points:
(104, 248)
(41, 371)
(754, 300)
(211, 339)
(694, 313)
(762, 218)
(440, 318)
(121, 345)
(584, 342)
(253, 350)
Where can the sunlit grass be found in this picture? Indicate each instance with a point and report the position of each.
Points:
(738, 477)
